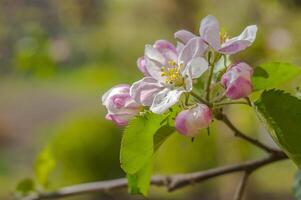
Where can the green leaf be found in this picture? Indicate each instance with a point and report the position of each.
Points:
(25, 186)
(139, 183)
(297, 185)
(137, 142)
(281, 113)
(161, 135)
(143, 136)
(44, 165)
(273, 74)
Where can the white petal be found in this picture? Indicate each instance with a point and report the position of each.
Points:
(210, 31)
(194, 48)
(154, 69)
(184, 36)
(180, 46)
(196, 67)
(165, 99)
(188, 84)
(152, 53)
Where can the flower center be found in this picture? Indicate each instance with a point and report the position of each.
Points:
(173, 74)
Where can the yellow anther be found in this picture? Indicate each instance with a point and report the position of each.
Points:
(172, 74)
(172, 63)
(223, 36)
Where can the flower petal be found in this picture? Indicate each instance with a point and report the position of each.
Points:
(167, 49)
(210, 31)
(121, 88)
(145, 90)
(194, 48)
(154, 54)
(141, 66)
(188, 83)
(196, 67)
(180, 46)
(165, 99)
(154, 69)
(239, 43)
(184, 36)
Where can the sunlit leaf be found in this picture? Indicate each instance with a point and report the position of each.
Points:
(139, 182)
(44, 165)
(137, 143)
(272, 74)
(143, 136)
(281, 113)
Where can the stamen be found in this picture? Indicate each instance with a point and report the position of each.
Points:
(173, 73)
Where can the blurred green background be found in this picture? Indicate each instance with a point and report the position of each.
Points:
(58, 57)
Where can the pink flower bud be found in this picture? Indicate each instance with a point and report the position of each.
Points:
(237, 80)
(120, 105)
(189, 122)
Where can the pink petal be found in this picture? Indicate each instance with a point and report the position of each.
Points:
(180, 122)
(145, 90)
(141, 66)
(167, 49)
(241, 42)
(239, 88)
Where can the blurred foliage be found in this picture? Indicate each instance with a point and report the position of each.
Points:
(25, 186)
(85, 149)
(44, 165)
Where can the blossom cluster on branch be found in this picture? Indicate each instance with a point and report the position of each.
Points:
(172, 74)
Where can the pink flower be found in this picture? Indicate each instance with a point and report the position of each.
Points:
(171, 71)
(121, 107)
(211, 35)
(190, 122)
(237, 80)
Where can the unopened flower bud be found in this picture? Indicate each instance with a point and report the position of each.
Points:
(120, 105)
(237, 80)
(190, 122)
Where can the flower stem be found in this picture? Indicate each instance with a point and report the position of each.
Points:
(231, 102)
(209, 82)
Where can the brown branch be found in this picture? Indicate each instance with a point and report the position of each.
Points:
(170, 182)
(238, 133)
(242, 185)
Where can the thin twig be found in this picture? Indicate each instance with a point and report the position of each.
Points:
(241, 187)
(209, 82)
(172, 183)
(231, 102)
(238, 133)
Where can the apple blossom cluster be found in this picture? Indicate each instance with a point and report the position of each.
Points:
(172, 75)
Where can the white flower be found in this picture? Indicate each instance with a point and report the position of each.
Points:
(210, 33)
(171, 71)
